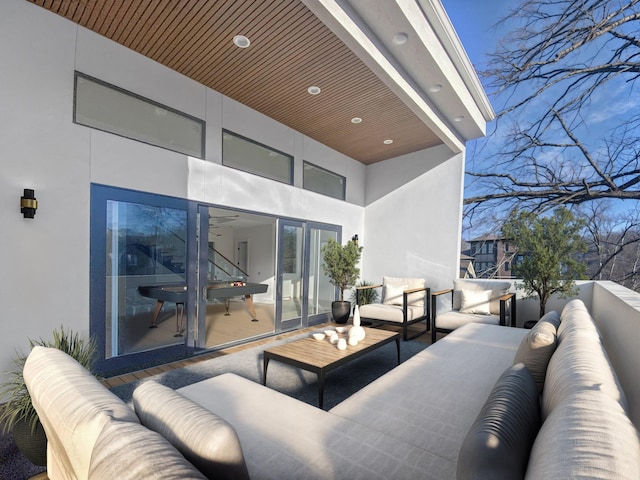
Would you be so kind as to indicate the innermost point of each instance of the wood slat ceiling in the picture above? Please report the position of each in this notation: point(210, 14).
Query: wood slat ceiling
point(290, 51)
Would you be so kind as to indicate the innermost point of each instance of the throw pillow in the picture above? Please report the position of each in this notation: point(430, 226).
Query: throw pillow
point(418, 298)
point(537, 346)
point(498, 288)
point(393, 294)
point(478, 302)
point(205, 439)
point(498, 443)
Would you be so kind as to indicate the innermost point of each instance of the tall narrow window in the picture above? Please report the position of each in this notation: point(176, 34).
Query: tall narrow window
point(323, 181)
point(106, 107)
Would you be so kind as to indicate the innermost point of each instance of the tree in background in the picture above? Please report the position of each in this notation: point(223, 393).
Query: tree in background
point(613, 244)
point(547, 252)
point(564, 83)
point(566, 67)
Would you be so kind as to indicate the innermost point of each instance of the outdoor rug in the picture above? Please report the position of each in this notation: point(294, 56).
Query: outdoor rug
point(14, 465)
point(339, 383)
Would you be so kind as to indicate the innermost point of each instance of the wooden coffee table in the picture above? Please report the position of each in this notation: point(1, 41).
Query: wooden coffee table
point(320, 356)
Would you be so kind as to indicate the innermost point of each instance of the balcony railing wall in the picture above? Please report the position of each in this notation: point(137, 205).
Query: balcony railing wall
point(616, 311)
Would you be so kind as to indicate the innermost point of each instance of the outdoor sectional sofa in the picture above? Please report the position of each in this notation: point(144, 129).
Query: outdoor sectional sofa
point(469, 406)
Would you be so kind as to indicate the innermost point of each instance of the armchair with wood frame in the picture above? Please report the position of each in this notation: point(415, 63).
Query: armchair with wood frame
point(405, 302)
point(472, 301)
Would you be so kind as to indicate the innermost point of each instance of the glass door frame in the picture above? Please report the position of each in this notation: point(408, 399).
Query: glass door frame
point(304, 320)
point(100, 195)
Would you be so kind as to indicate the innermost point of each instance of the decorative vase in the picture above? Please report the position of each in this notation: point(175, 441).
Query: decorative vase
point(356, 316)
point(340, 311)
point(357, 333)
point(33, 445)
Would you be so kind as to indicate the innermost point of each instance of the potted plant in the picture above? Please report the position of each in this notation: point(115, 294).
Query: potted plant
point(340, 265)
point(367, 295)
point(17, 414)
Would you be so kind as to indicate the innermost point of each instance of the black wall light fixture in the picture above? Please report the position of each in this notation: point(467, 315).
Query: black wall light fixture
point(28, 203)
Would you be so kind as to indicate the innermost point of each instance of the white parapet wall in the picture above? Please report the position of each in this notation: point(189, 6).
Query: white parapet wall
point(616, 310)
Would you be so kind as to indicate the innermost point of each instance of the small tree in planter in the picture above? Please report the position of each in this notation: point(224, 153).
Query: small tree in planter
point(340, 265)
point(17, 414)
point(548, 247)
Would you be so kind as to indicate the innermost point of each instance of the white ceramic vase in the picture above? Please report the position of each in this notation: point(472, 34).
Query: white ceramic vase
point(356, 316)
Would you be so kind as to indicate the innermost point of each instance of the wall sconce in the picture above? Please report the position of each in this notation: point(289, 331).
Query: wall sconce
point(28, 204)
point(354, 239)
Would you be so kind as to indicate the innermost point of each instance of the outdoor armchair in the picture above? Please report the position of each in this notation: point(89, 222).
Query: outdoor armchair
point(405, 302)
point(473, 302)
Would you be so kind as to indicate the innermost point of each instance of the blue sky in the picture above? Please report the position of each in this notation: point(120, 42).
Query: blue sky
point(474, 21)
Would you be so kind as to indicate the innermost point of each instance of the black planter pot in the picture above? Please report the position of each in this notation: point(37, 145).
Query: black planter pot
point(340, 311)
point(33, 445)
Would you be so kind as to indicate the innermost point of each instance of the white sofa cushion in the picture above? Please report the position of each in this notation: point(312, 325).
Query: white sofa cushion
point(390, 313)
point(73, 407)
point(396, 283)
point(129, 451)
point(497, 288)
point(580, 363)
point(205, 439)
point(476, 301)
point(432, 399)
point(587, 436)
point(284, 438)
point(536, 348)
point(576, 318)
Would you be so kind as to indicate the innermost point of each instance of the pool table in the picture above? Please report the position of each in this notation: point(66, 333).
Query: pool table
point(177, 293)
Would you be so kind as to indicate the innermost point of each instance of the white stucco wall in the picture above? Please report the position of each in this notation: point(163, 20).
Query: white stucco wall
point(412, 217)
point(45, 262)
point(616, 311)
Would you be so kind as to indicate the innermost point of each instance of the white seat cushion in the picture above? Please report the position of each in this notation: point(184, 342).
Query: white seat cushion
point(455, 319)
point(390, 313)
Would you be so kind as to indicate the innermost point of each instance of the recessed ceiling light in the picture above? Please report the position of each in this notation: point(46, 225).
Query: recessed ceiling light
point(241, 41)
point(400, 38)
point(388, 141)
point(314, 90)
point(356, 120)
point(458, 119)
point(435, 88)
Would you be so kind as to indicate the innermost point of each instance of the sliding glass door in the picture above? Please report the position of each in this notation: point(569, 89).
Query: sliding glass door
point(140, 275)
point(291, 275)
point(170, 277)
point(304, 294)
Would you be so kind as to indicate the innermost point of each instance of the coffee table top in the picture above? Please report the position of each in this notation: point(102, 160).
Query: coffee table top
point(322, 354)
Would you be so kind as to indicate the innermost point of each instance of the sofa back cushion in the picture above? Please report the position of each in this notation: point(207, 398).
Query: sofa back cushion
point(393, 287)
point(498, 289)
point(580, 363)
point(576, 319)
point(205, 439)
point(537, 346)
point(587, 436)
point(129, 451)
point(73, 407)
point(498, 443)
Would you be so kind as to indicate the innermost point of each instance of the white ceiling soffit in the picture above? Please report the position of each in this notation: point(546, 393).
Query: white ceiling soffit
point(430, 56)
